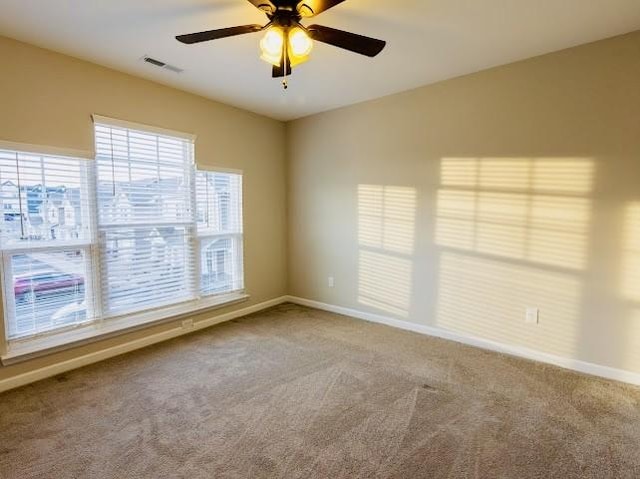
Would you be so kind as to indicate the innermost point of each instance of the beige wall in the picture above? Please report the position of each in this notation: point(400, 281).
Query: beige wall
point(47, 99)
point(456, 205)
point(459, 205)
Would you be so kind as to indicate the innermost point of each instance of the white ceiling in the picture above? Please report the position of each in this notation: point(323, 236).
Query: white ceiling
point(428, 41)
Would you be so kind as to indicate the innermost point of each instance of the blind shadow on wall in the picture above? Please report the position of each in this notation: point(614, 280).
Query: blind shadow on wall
point(512, 234)
point(507, 234)
point(386, 238)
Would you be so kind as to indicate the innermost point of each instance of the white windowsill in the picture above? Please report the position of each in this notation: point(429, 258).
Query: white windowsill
point(22, 350)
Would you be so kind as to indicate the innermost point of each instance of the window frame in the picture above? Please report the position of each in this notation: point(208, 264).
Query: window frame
point(101, 325)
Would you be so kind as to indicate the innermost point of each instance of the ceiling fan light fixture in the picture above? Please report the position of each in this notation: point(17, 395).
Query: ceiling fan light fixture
point(286, 42)
point(299, 46)
point(272, 45)
point(299, 42)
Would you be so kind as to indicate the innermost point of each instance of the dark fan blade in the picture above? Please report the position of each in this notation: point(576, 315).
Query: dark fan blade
point(266, 6)
point(349, 41)
point(311, 8)
point(215, 34)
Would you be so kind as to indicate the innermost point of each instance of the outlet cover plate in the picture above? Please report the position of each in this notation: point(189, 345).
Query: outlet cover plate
point(532, 316)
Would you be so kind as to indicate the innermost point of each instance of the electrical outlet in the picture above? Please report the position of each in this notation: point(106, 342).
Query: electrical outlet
point(187, 324)
point(331, 282)
point(532, 316)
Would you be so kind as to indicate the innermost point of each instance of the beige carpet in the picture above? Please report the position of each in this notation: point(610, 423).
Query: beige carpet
point(298, 393)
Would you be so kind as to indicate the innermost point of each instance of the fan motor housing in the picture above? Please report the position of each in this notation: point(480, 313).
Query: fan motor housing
point(292, 7)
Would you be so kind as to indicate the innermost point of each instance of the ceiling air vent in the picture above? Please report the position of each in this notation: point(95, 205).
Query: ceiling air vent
point(161, 64)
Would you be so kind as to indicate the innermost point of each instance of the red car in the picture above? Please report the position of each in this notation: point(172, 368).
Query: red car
point(26, 287)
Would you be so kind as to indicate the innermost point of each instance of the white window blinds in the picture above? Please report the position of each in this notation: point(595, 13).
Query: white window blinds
point(44, 198)
point(146, 223)
point(83, 241)
point(46, 240)
point(219, 217)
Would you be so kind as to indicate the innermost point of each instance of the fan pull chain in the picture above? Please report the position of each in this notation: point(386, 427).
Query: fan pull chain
point(285, 56)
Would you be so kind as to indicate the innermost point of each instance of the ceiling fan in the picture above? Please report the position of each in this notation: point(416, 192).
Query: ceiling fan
point(287, 43)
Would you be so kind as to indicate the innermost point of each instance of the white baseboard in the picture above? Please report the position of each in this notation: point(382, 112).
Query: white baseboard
point(567, 363)
point(80, 361)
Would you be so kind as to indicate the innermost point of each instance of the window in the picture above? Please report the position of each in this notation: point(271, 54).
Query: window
point(145, 219)
point(219, 214)
point(135, 230)
point(46, 241)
